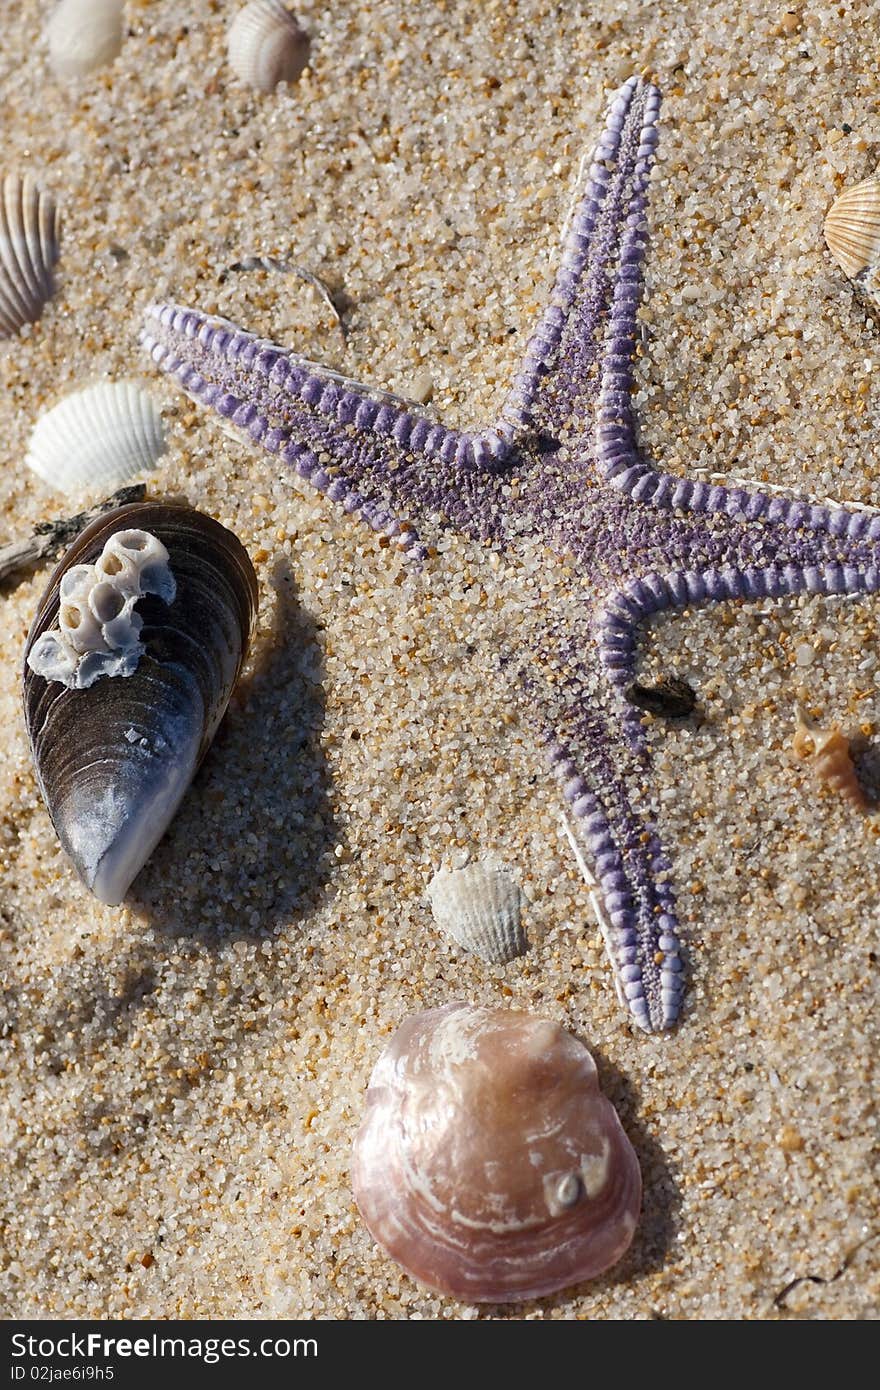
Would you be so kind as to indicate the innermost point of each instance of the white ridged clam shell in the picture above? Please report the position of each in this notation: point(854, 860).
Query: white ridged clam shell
point(29, 235)
point(479, 906)
point(852, 231)
point(97, 438)
point(266, 45)
point(84, 35)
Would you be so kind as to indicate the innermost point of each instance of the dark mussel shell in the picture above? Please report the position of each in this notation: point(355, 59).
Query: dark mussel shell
point(115, 760)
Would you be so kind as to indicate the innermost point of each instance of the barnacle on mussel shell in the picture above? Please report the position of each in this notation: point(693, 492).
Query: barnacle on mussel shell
point(489, 1165)
point(131, 659)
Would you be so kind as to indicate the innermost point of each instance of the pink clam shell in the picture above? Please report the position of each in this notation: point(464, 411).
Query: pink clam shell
point(489, 1165)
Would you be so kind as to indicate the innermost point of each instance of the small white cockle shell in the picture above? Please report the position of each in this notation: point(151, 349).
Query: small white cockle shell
point(489, 1164)
point(479, 906)
point(84, 35)
point(29, 235)
point(96, 439)
point(266, 45)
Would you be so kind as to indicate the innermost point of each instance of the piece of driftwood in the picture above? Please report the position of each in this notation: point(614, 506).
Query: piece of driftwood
point(51, 537)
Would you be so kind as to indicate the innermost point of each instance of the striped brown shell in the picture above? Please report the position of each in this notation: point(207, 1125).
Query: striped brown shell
point(30, 229)
point(852, 231)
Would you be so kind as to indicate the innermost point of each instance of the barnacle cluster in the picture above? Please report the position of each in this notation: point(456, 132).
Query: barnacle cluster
point(98, 630)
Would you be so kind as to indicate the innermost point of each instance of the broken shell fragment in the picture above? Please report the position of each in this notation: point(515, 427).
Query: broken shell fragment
point(852, 232)
point(97, 439)
point(136, 645)
point(84, 35)
point(30, 229)
point(479, 906)
point(488, 1164)
point(266, 45)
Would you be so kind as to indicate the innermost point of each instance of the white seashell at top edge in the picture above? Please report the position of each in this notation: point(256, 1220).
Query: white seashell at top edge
point(479, 906)
point(266, 45)
point(96, 439)
point(29, 236)
point(84, 35)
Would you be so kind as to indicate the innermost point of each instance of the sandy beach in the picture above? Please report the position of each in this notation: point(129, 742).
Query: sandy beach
point(182, 1077)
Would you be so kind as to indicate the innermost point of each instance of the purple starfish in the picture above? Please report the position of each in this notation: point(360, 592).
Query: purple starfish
point(561, 468)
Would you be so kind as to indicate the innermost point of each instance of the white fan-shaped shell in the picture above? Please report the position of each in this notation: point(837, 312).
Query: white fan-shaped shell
point(29, 234)
point(479, 906)
point(266, 45)
point(852, 228)
point(84, 35)
point(97, 439)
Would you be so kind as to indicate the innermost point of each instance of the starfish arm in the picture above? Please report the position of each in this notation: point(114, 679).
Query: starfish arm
point(611, 812)
point(626, 608)
point(589, 323)
point(801, 548)
point(611, 823)
point(743, 546)
point(369, 451)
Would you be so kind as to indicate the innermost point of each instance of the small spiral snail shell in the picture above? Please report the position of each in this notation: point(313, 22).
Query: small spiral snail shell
point(828, 753)
point(131, 659)
point(488, 1164)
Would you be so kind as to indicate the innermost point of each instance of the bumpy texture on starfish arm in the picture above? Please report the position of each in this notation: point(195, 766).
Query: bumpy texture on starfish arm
point(560, 468)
